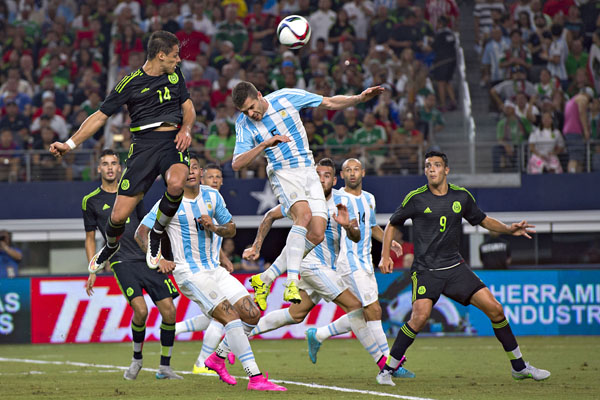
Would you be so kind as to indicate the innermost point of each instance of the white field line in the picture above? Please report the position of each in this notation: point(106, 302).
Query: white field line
point(310, 385)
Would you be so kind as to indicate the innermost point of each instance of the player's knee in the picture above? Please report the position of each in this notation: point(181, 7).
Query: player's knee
point(373, 312)
point(175, 185)
point(418, 320)
point(140, 314)
point(303, 218)
point(496, 312)
point(168, 314)
point(298, 315)
point(315, 237)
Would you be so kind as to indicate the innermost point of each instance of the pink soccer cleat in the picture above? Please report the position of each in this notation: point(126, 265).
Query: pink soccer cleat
point(231, 358)
point(261, 382)
point(217, 364)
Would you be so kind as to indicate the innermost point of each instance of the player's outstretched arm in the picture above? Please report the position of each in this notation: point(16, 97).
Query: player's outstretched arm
point(252, 253)
point(85, 131)
point(226, 230)
point(244, 159)
point(340, 102)
point(386, 265)
point(184, 136)
point(516, 229)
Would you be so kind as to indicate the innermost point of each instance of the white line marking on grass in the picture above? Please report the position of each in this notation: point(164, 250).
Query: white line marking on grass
point(116, 368)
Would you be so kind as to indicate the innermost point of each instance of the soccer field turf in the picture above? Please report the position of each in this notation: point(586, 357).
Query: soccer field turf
point(446, 368)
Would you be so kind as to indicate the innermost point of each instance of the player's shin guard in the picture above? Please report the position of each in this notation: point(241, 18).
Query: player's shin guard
point(211, 340)
point(363, 333)
point(406, 336)
point(195, 324)
point(337, 327)
point(295, 244)
point(272, 321)
point(113, 232)
point(377, 331)
point(509, 343)
point(138, 334)
point(240, 346)
point(167, 338)
point(166, 210)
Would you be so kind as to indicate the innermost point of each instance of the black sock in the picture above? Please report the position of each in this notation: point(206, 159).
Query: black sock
point(113, 232)
point(406, 336)
point(509, 343)
point(166, 210)
point(138, 333)
point(167, 338)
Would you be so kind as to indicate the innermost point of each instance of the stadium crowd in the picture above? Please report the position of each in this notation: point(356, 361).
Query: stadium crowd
point(541, 62)
point(59, 59)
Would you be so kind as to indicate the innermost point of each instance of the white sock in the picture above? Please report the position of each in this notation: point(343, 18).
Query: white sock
point(295, 244)
point(379, 335)
point(238, 341)
point(337, 327)
point(195, 324)
point(272, 321)
point(279, 266)
point(363, 333)
point(248, 328)
point(212, 337)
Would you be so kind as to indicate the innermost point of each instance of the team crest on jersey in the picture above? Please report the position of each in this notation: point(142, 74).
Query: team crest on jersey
point(456, 207)
point(173, 78)
point(209, 206)
point(125, 184)
point(283, 113)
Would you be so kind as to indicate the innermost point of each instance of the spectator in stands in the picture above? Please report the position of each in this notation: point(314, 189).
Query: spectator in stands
point(341, 31)
point(577, 58)
point(382, 26)
point(126, 42)
point(557, 55)
point(9, 159)
point(494, 252)
point(577, 128)
point(524, 25)
point(57, 122)
point(517, 55)
point(202, 23)
point(547, 86)
point(580, 82)
point(508, 89)
point(10, 256)
point(545, 143)
point(27, 70)
point(229, 251)
point(372, 140)
point(405, 34)
point(261, 26)
point(15, 121)
point(511, 132)
point(404, 148)
point(430, 118)
point(383, 118)
point(61, 99)
point(484, 21)
point(23, 85)
point(539, 43)
point(192, 43)
point(233, 31)
point(321, 22)
point(360, 13)
point(405, 260)
point(12, 94)
point(219, 147)
point(340, 145)
point(323, 127)
point(434, 9)
point(349, 117)
point(573, 25)
point(492, 54)
point(45, 166)
point(594, 61)
point(445, 61)
point(526, 109)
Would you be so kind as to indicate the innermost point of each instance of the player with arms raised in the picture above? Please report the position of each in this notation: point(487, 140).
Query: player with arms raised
point(437, 210)
point(272, 124)
point(162, 115)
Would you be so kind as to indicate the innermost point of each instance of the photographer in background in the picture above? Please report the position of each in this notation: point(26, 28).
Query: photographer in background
point(9, 256)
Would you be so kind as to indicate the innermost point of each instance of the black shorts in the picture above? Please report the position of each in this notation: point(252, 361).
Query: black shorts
point(444, 71)
point(133, 276)
point(459, 283)
point(151, 154)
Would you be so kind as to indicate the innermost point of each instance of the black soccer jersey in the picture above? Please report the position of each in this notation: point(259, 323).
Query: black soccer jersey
point(437, 224)
point(97, 207)
point(151, 100)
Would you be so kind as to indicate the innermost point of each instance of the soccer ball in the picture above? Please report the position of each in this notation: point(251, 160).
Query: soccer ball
point(293, 31)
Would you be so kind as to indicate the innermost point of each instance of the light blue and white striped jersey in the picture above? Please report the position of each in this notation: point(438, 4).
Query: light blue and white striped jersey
point(282, 118)
point(358, 255)
point(328, 250)
point(194, 247)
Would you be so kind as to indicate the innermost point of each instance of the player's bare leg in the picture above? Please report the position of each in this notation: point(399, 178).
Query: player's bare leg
point(175, 179)
point(122, 209)
point(486, 302)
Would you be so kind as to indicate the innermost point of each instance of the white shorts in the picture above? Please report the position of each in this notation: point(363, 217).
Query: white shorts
point(210, 288)
point(321, 282)
point(363, 285)
point(299, 184)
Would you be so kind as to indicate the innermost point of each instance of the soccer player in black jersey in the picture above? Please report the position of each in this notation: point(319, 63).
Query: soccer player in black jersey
point(162, 115)
point(130, 270)
point(437, 210)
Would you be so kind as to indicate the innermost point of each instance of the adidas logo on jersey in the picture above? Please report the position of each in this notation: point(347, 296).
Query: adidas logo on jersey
point(105, 207)
point(145, 90)
point(427, 211)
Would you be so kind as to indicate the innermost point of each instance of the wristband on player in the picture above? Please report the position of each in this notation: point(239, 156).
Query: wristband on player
point(71, 144)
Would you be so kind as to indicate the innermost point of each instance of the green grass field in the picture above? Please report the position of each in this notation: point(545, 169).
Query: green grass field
point(446, 368)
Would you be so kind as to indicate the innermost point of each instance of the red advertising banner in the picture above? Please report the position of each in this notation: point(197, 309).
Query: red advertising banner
point(62, 312)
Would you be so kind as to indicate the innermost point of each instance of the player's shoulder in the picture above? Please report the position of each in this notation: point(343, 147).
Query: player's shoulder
point(339, 195)
point(129, 80)
point(208, 193)
point(286, 93)
point(415, 194)
point(461, 191)
point(86, 199)
point(241, 120)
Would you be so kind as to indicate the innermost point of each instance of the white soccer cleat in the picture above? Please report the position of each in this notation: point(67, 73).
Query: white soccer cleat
point(384, 377)
point(153, 257)
point(530, 372)
point(133, 370)
point(101, 258)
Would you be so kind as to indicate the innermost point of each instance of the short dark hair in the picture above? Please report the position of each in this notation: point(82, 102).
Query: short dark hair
point(434, 153)
point(213, 166)
point(161, 41)
point(556, 29)
point(107, 152)
point(241, 92)
point(195, 156)
point(327, 162)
